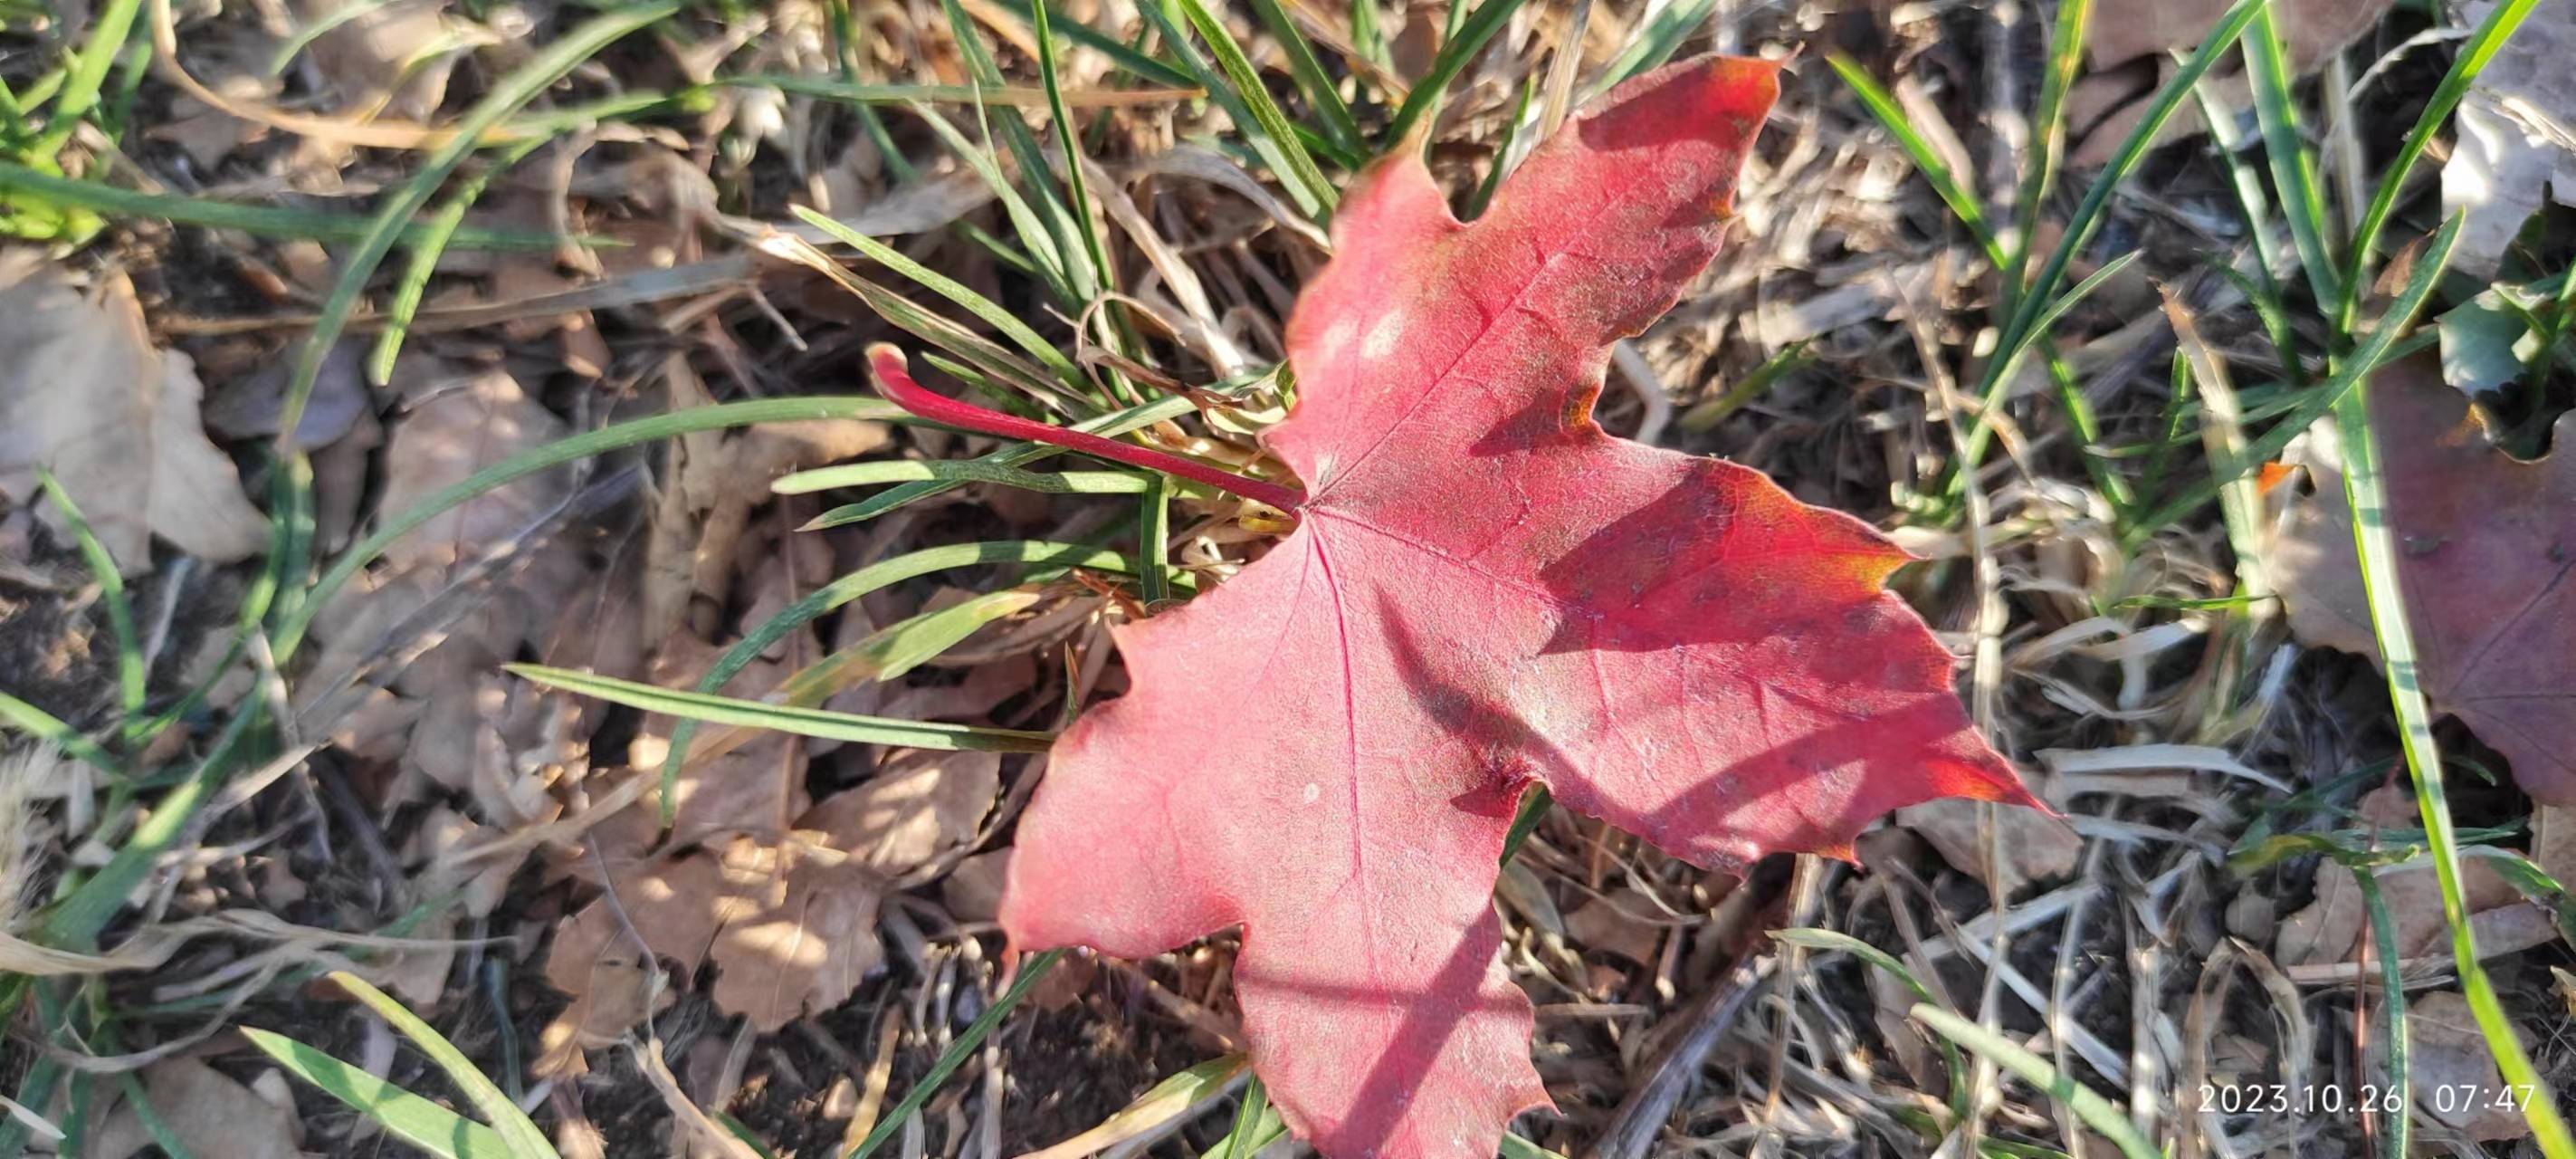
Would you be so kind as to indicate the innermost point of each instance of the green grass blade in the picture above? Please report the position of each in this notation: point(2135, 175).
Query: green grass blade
point(406, 1116)
point(1927, 160)
point(876, 576)
point(1136, 64)
point(1068, 138)
point(2473, 59)
point(1654, 43)
point(130, 676)
point(1512, 125)
point(1267, 119)
point(45, 726)
point(883, 471)
point(2285, 146)
point(2022, 329)
point(1154, 540)
point(518, 1133)
point(989, 311)
point(2096, 1112)
point(781, 718)
point(1836, 942)
point(1255, 1124)
point(1032, 971)
point(1312, 202)
point(2039, 182)
point(436, 233)
point(1081, 279)
point(266, 221)
point(1035, 236)
point(2375, 351)
point(1109, 425)
point(1312, 81)
point(555, 454)
point(513, 92)
point(2376, 541)
point(108, 31)
point(2394, 1028)
point(1460, 48)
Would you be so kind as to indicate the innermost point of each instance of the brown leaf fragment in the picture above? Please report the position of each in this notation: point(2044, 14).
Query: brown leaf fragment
point(85, 393)
point(2336, 926)
point(790, 926)
point(2487, 544)
point(2035, 846)
point(2513, 152)
point(220, 1118)
point(2455, 1078)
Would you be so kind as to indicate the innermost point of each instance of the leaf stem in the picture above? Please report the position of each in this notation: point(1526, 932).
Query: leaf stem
point(894, 380)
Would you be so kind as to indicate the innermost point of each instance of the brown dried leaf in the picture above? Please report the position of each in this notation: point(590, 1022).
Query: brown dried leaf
point(2130, 46)
point(2335, 926)
point(84, 392)
point(220, 1118)
point(2513, 146)
point(790, 927)
point(2488, 542)
point(2036, 847)
point(2456, 1081)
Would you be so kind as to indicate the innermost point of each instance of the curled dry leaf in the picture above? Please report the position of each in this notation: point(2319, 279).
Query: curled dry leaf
point(2487, 541)
point(790, 926)
point(84, 393)
point(1485, 591)
point(2513, 150)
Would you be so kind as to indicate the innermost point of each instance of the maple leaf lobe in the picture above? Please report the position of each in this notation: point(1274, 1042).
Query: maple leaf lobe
point(1484, 590)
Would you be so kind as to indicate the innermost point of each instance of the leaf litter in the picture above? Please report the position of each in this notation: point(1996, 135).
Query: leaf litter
point(1823, 209)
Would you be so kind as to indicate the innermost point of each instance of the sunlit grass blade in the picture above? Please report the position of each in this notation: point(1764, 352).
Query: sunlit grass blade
point(1311, 201)
point(404, 1115)
point(1841, 943)
point(1177, 88)
point(517, 1132)
point(874, 577)
point(1154, 540)
point(1109, 425)
point(2473, 59)
point(1928, 161)
point(2377, 545)
point(1653, 43)
point(1137, 64)
point(2285, 147)
point(1461, 47)
point(582, 446)
point(1312, 81)
point(989, 311)
point(266, 221)
point(1267, 118)
point(2375, 351)
point(437, 232)
point(883, 471)
point(2395, 1032)
point(1068, 136)
point(1786, 361)
point(1256, 1123)
point(109, 27)
point(1512, 129)
point(47, 727)
point(812, 722)
point(1036, 239)
point(1032, 970)
point(2096, 1112)
point(523, 84)
point(1055, 217)
point(2039, 179)
point(2023, 327)
point(991, 365)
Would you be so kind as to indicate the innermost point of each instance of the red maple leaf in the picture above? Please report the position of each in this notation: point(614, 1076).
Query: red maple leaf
point(1485, 591)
